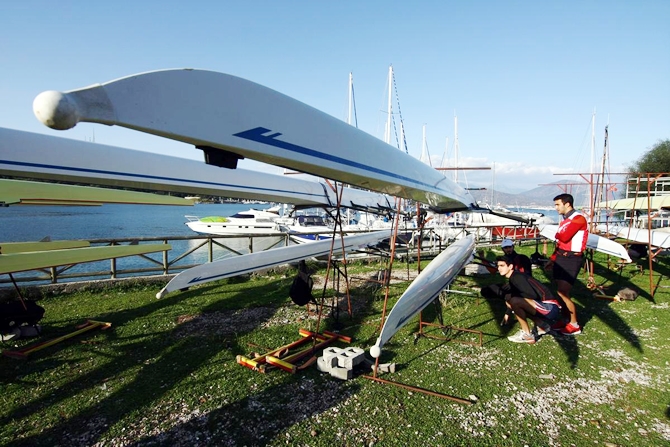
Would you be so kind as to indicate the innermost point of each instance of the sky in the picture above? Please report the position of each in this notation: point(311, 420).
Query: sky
point(525, 79)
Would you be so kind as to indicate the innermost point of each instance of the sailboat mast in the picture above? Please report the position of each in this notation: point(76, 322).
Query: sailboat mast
point(445, 156)
point(389, 108)
point(455, 148)
point(425, 156)
point(423, 140)
point(351, 94)
point(349, 121)
point(493, 186)
point(592, 198)
point(593, 141)
point(600, 183)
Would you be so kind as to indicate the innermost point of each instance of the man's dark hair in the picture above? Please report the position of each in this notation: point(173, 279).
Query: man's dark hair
point(504, 259)
point(565, 198)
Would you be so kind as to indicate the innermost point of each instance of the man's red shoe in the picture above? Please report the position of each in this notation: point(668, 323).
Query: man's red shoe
point(571, 329)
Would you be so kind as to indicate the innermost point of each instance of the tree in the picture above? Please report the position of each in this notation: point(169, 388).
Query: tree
point(656, 160)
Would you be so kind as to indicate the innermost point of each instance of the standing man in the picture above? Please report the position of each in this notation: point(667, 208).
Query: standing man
point(529, 299)
point(567, 259)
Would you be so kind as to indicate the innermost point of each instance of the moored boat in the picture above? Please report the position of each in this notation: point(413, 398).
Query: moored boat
point(515, 232)
point(245, 222)
point(307, 228)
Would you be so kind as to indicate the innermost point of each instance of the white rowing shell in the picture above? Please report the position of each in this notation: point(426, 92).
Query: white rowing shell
point(594, 242)
point(25, 154)
point(426, 288)
point(239, 265)
point(19, 262)
point(658, 238)
point(232, 114)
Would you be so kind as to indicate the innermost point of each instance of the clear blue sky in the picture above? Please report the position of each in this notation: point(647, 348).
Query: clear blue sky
point(523, 77)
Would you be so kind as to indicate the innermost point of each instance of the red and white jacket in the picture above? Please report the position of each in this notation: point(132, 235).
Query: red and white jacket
point(572, 234)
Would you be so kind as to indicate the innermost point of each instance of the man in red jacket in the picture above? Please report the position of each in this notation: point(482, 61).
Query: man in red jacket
point(568, 257)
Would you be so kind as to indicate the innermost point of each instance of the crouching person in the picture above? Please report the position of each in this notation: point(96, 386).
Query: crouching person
point(529, 299)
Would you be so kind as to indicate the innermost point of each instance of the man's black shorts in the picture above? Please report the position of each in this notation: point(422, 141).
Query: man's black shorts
point(566, 268)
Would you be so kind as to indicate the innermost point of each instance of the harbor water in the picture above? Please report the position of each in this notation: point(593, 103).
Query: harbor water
point(117, 221)
point(109, 221)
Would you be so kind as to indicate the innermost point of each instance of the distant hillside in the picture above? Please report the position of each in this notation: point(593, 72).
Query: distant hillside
point(540, 196)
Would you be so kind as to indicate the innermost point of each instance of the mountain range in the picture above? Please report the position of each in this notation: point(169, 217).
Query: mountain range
point(542, 196)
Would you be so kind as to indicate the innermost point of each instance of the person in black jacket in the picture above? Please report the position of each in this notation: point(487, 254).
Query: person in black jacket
point(529, 299)
point(521, 264)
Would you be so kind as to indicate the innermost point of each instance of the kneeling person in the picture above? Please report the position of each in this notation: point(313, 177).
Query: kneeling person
point(529, 299)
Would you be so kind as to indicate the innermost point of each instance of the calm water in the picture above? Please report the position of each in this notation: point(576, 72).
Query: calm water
point(552, 213)
point(34, 223)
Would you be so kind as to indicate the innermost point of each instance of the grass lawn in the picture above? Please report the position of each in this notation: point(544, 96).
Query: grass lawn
point(165, 372)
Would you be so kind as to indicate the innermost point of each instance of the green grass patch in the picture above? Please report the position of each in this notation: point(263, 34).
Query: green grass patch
point(165, 372)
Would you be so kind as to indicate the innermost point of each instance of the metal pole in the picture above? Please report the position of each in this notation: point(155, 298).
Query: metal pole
point(166, 263)
point(421, 390)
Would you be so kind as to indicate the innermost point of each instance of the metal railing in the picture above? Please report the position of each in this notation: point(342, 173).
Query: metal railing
point(179, 258)
point(182, 256)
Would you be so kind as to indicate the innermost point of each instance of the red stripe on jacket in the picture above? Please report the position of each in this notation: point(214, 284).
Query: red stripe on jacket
point(566, 236)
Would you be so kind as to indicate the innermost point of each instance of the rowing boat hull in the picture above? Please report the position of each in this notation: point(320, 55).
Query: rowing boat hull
point(13, 192)
point(19, 262)
point(594, 242)
point(25, 154)
point(240, 265)
point(231, 118)
point(659, 239)
point(426, 288)
point(25, 247)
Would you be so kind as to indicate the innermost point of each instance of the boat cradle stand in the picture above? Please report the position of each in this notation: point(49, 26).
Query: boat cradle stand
point(25, 352)
point(416, 337)
point(450, 332)
point(282, 359)
point(375, 368)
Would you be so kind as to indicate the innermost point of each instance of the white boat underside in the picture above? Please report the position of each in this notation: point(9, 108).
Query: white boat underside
point(229, 117)
point(37, 156)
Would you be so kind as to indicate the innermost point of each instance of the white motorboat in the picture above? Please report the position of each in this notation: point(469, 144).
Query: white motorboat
point(307, 228)
point(245, 222)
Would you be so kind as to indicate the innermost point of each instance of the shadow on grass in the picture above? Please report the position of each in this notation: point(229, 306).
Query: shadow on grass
point(604, 312)
point(661, 271)
point(591, 308)
point(161, 358)
point(588, 307)
point(619, 278)
point(449, 326)
point(258, 419)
